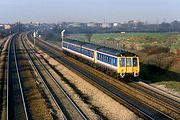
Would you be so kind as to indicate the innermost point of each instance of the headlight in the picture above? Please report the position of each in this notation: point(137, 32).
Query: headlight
point(136, 74)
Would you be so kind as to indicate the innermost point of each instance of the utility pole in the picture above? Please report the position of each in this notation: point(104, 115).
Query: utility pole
point(62, 36)
point(34, 35)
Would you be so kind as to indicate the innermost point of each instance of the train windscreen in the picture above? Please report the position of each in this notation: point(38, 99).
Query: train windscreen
point(128, 62)
point(122, 62)
point(135, 62)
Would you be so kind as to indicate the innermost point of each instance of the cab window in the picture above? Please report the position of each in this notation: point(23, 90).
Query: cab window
point(122, 62)
point(128, 62)
point(135, 62)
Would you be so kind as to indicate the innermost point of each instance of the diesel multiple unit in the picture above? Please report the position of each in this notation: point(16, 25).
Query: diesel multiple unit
point(120, 62)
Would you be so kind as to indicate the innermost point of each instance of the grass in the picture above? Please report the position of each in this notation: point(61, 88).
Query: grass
point(54, 40)
point(160, 76)
point(163, 39)
point(171, 84)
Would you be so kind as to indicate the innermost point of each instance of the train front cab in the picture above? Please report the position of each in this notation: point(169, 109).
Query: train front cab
point(128, 66)
point(136, 68)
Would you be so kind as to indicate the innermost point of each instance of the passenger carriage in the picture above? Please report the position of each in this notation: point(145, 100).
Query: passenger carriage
point(123, 62)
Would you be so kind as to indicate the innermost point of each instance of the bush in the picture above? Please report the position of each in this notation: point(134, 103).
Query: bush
point(155, 50)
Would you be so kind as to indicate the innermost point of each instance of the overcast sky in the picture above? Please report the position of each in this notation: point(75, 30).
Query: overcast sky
point(89, 10)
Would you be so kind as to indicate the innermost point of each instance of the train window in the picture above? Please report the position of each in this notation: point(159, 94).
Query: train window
point(98, 56)
point(122, 62)
point(128, 62)
point(134, 62)
point(108, 60)
point(115, 62)
point(112, 60)
point(91, 54)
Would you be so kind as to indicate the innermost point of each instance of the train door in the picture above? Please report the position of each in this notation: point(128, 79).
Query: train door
point(135, 66)
point(129, 66)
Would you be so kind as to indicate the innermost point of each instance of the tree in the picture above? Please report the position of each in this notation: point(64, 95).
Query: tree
point(1, 35)
point(89, 36)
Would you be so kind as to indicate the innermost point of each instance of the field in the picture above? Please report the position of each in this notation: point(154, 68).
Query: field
point(159, 53)
point(163, 39)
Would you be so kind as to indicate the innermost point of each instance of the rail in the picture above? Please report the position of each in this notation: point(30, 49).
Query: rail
point(12, 58)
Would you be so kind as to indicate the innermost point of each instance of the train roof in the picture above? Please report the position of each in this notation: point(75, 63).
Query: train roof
point(76, 42)
point(83, 44)
point(115, 52)
point(91, 46)
point(111, 51)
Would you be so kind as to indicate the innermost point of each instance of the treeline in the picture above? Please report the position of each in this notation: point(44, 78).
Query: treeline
point(126, 27)
point(138, 27)
point(4, 33)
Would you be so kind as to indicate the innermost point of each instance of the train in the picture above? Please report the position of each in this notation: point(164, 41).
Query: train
point(118, 62)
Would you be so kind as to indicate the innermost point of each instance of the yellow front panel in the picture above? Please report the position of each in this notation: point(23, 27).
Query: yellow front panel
point(95, 56)
point(129, 69)
point(120, 68)
point(137, 68)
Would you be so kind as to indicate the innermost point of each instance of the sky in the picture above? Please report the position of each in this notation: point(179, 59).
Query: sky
point(49, 11)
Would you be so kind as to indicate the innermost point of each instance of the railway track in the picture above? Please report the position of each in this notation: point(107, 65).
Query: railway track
point(148, 110)
point(69, 108)
point(1, 47)
point(3, 92)
point(16, 106)
point(173, 105)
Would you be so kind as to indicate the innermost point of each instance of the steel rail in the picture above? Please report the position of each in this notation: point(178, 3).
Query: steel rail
point(159, 97)
point(12, 42)
point(7, 81)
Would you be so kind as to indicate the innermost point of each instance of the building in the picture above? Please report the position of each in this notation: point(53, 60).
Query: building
point(7, 26)
point(106, 25)
point(1, 27)
point(75, 24)
point(116, 24)
point(92, 24)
